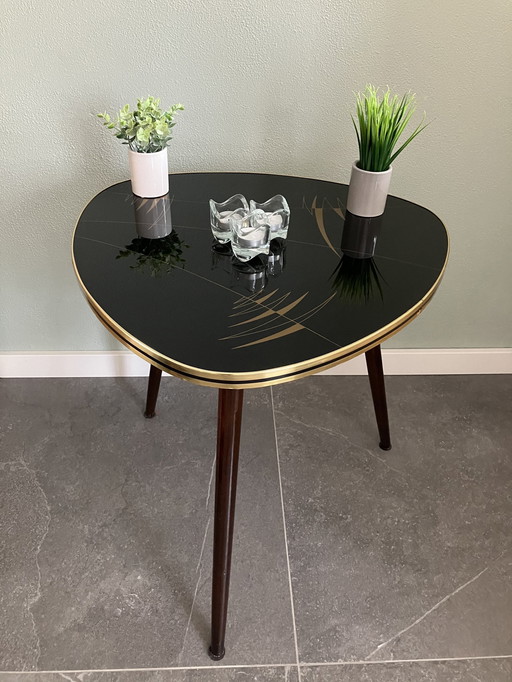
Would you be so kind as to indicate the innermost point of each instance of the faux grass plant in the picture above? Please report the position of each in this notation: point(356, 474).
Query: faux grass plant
point(147, 129)
point(381, 121)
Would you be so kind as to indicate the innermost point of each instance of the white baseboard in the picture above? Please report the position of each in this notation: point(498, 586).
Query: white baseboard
point(417, 361)
point(126, 364)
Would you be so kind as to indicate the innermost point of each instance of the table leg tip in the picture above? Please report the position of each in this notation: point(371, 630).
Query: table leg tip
point(149, 415)
point(216, 657)
point(385, 446)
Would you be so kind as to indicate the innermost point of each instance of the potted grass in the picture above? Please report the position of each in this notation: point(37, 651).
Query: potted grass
point(381, 122)
point(147, 132)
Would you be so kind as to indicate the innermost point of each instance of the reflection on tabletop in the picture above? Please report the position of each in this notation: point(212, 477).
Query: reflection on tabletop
point(155, 256)
point(153, 217)
point(357, 280)
point(254, 274)
point(359, 237)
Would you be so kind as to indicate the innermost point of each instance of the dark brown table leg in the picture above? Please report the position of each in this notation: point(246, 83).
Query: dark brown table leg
point(155, 375)
point(228, 442)
point(376, 376)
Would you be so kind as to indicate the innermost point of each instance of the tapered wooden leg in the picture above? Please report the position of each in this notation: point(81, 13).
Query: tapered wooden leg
point(228, 443)
point(155, 375)
point(376, 376)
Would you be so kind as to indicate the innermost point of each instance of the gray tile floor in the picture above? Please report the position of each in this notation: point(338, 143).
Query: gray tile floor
point(355, 563)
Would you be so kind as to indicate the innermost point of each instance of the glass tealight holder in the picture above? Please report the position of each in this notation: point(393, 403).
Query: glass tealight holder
point(250, 234)
point(220, 214)
point(278, 214)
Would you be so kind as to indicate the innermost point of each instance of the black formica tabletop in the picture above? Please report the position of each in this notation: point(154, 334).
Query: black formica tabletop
point(187, 305)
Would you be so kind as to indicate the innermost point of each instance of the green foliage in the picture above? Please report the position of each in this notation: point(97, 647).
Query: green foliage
point(146, 129)
point(382, 121)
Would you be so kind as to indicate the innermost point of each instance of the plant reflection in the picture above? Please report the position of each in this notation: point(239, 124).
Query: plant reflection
point(156, 256)
point(357, 280)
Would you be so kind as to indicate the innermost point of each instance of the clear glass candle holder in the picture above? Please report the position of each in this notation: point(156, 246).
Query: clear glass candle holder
point(220, 214)
point(250, 234)
point(278, 214)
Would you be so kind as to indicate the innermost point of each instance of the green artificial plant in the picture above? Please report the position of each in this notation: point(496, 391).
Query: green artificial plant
point(381, 121)
point(147, 129)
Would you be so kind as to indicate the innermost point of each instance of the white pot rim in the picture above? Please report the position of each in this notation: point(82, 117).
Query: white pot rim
point(132, 151)
point(361, 170)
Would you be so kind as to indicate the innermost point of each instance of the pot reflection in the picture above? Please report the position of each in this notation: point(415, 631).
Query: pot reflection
point(359, 237)
point(153, 217)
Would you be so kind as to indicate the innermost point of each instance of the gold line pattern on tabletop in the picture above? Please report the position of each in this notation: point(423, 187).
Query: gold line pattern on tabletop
point(265, 377)
point(318, 213)
point(257, 303)
point(259, 328)
point(300, 318)
point(221, 286)
point(313, 311)
point(280, 313)
point(277, 301)
point(295, 324)
point(291, 330)
point(337, 209)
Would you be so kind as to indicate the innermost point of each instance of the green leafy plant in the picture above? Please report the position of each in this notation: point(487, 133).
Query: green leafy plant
point(147, 129)
point(381, 121)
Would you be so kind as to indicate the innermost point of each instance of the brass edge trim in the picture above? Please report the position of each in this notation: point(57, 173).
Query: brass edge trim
point(264, 377)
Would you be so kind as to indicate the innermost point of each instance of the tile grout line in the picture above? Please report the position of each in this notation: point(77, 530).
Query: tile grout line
point(285, 538)
point(259, 665)
point(393, 661)
point(231, 666)
point(199, 568)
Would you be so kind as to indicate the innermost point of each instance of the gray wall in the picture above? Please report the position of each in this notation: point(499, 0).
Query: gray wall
point(268, 86)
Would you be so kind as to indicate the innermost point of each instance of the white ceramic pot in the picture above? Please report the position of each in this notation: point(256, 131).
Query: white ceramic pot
point(149, 173)
point(368, 191)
